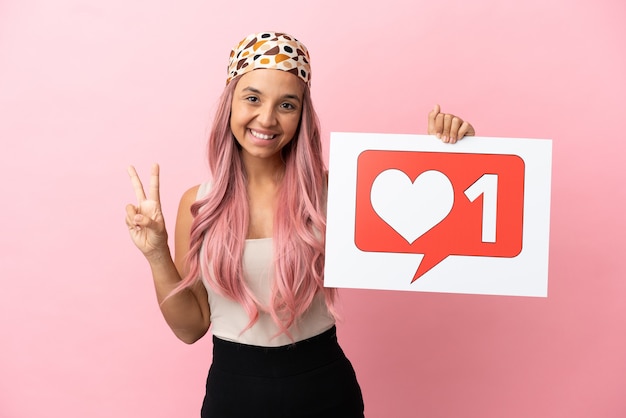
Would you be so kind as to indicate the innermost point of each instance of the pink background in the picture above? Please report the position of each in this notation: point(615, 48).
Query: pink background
point(87, 88)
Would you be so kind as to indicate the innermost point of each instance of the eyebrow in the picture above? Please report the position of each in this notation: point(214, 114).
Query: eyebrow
point(286, 96)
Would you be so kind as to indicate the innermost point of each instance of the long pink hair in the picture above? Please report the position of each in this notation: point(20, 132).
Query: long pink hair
point(221, 220)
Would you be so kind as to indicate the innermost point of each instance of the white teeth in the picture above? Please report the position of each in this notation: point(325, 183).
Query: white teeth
point(260, 135)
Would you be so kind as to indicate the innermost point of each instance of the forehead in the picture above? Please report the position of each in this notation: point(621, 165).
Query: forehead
point(271, 81)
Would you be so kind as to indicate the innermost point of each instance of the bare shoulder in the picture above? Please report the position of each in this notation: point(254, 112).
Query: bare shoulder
point(184, 208)
point(184, 221)
point(190, 196)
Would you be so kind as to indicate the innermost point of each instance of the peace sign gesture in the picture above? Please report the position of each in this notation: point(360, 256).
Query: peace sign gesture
point(145, 220)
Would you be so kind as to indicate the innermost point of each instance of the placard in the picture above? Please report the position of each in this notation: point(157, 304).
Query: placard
point(408, 212)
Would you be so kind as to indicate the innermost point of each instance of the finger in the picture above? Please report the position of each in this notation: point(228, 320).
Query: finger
point(439, 125)
point(131, 213)
point(447, 124)
point(454, 129)
point(432, 115)
point(466, 130)
point(136, 182)
point(153, 190)
point(135, 220)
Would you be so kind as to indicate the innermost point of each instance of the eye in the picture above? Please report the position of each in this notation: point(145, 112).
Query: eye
point(252, 99)
point(287, 106)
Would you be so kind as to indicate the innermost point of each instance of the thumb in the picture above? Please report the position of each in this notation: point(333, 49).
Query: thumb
point(432, 115)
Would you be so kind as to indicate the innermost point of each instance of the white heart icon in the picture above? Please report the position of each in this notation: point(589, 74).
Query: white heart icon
point(412, 208)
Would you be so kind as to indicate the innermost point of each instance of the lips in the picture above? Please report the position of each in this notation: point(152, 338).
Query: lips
point(260, 135)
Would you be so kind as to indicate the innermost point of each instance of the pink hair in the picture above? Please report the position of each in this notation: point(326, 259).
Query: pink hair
point(221, 220)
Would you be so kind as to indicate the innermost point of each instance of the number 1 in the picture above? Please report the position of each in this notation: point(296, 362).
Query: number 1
point(487, 186)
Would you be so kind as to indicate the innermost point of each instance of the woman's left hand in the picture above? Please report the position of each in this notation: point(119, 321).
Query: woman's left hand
point(447, 127)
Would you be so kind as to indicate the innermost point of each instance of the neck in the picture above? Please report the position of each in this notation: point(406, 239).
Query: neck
point(263, 170)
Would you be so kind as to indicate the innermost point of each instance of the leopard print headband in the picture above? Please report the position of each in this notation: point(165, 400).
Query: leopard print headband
point(273, 50)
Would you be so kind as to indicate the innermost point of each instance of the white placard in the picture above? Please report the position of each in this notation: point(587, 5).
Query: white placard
point(408, 212)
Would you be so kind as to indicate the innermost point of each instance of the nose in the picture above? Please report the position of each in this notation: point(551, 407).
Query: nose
point(267, 115)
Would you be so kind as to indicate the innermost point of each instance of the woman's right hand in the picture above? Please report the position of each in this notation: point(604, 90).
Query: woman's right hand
point(145, 220)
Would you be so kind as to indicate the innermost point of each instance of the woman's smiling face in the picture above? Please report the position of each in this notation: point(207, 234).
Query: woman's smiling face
point(265, 112)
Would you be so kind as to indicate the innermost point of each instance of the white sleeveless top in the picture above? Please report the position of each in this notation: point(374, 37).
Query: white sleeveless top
point(229, 318)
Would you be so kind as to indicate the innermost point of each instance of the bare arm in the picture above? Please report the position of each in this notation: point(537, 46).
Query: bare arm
point(187, 313)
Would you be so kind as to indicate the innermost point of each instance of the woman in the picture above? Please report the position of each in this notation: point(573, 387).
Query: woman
point(249, 245)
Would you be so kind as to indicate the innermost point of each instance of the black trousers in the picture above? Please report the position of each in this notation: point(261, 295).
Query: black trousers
point(309, 379)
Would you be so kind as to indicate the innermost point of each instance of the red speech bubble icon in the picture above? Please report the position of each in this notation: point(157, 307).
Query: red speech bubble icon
point(439, 204)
